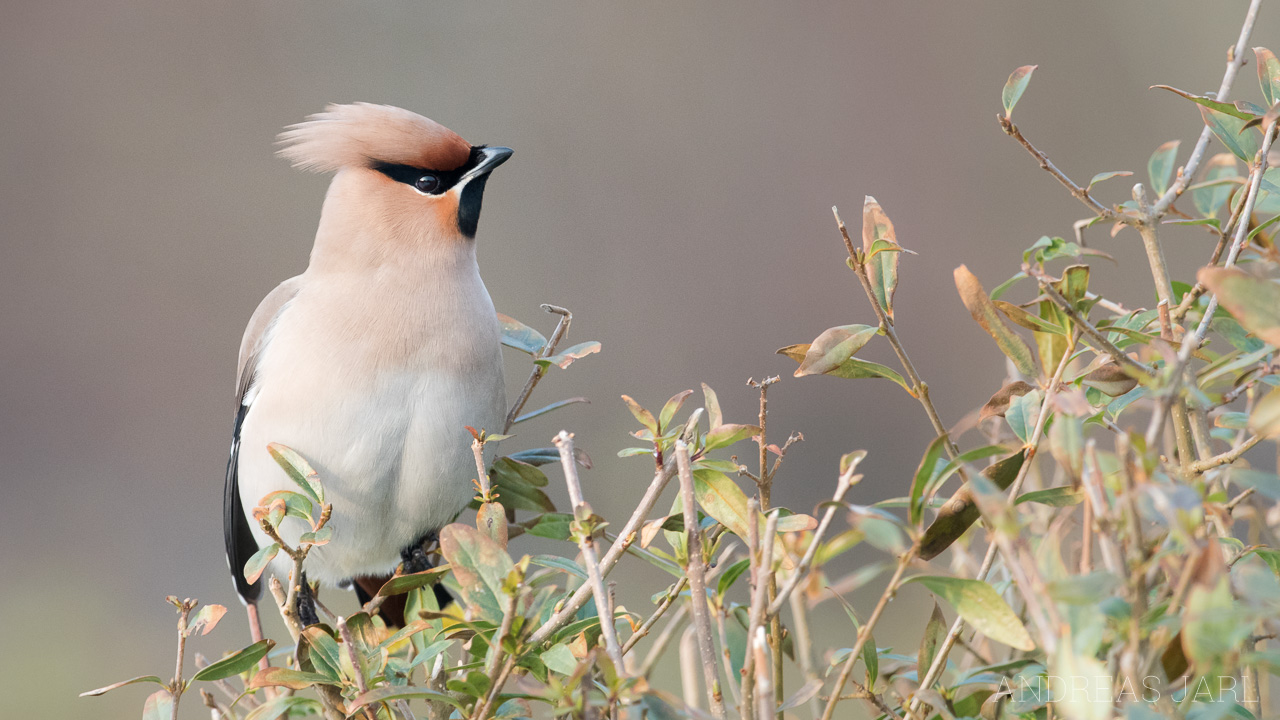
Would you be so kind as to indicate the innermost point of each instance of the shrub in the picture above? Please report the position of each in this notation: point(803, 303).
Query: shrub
point(1122, 572)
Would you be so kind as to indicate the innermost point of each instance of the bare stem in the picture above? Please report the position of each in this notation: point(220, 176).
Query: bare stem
point(697, 583)
point(175, 688)
point(547, 350)
point(1225, 458)
point(587, 544)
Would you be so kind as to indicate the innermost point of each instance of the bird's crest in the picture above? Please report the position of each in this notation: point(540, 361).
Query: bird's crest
point(364, 134)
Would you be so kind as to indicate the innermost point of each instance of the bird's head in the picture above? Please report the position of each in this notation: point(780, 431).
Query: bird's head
point(397, 172)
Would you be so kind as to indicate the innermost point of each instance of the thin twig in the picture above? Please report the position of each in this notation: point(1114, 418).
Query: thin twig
point(760, 555)
point(864, 632)
point(806, 562)
point(1235, 60)
point(697, 582)
point(1081, 194)
point(175, 688)
point(562, 327)
point(652, 620)
point(1081, 322)
point(587, 545)
point(1225, 458)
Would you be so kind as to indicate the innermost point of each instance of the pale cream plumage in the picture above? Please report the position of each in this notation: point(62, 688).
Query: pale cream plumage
point(372, 362)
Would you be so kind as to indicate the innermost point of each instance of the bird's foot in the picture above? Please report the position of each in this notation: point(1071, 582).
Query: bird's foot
point(415, 558)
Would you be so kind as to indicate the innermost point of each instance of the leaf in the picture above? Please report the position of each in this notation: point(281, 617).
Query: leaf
point(560, 659)
point(491, 519)
point(958, 513)
point(1268, 74)
point(1064, 496)
point(480, 566)
point(516, 334)
point(1106, 176)
point(1265, 418)
point(672, 407)
point(295, 504)
point(801, 696)
point(236, 662)
point(401, 584)
point(933, 632)
point(1209, 103)
point(795, 522)
point(159, 706)
point(402, 692)
point(548, 408)
point(924, 473)
point(555, 562)
point(288, 677)
point(1014, 87)
point(281, 705)
point(1209, 198)
point(1088, 701)
point(722, 499)
point(997, 405)
point(1027, 320)
point(882, 268)
point(318, 651)
point(565, 357)
point(551, 525)
point(1254, 302)
point(981, 607)
point(731, 574)
point(1022, 414)
point(298, 470)
point(1228, 130)
point(645, 417)
point(131, 681)
point(712, 404)
point(833, 347)
point(256, 564)
point(985, 313)
point(870, 658)
point(726, 435)
point(1161, 165)
point(1110, 379)
point(206, 619)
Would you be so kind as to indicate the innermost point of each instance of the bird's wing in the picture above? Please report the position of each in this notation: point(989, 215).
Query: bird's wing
point(241, 544)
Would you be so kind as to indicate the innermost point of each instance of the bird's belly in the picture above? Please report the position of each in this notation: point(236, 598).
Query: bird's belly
point(394, 460)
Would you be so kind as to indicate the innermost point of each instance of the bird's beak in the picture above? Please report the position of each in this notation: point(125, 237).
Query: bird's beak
point(491, 157)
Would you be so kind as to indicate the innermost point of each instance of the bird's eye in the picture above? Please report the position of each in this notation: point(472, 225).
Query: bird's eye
point(427, 184)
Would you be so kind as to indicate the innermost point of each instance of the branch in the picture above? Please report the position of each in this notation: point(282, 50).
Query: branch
point(1235, 60)
point(1093, 333)
point(1081, 194)
point(1225, 458)
point(802, 570)
point(587, 544)
point(648, 624)
point(697, 582)
point(562, 327)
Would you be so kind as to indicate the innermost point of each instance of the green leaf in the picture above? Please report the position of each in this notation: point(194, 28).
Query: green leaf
point(1106, 176)
point(924, 473)
point(565, 358)
point(672, 407)
point(235, 663)
point(295, 504)
point(722, 499)
point(981, 607)
point(833, 347)
point(402, 692)
point(290, 678)
point(1064, 496)
point(560, 659)
point(934, 630)
point(986, 315)
point(555, 562)
point(958, 513)
point(1252, 301)
point(1208, 198)
point(1022, 414)
point(401, 584)
point(730, 575)
point(1268, 74)
point(548, 408)
point(645, 417)
point(131, 681)
point(1014, 87)
point(516, 334)
point(870, 658)
point(282, 705)
point(551, 525)
point(953, 467)
point(1209, 103)
point(480, 566)
point(726, 435)
point(318, 651)
point(882, 268)
point(1161, 165)
point(159, 706)
point(298, 469)
point(1031, 322)
point(256, 564)
point(1231, 132)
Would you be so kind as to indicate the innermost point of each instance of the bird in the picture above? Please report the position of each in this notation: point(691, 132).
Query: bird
point(373, 362)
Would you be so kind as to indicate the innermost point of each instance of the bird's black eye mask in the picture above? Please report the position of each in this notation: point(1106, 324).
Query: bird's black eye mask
point(426, 180)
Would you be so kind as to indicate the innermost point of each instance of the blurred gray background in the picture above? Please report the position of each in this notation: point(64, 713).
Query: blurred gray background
point(674, 172)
